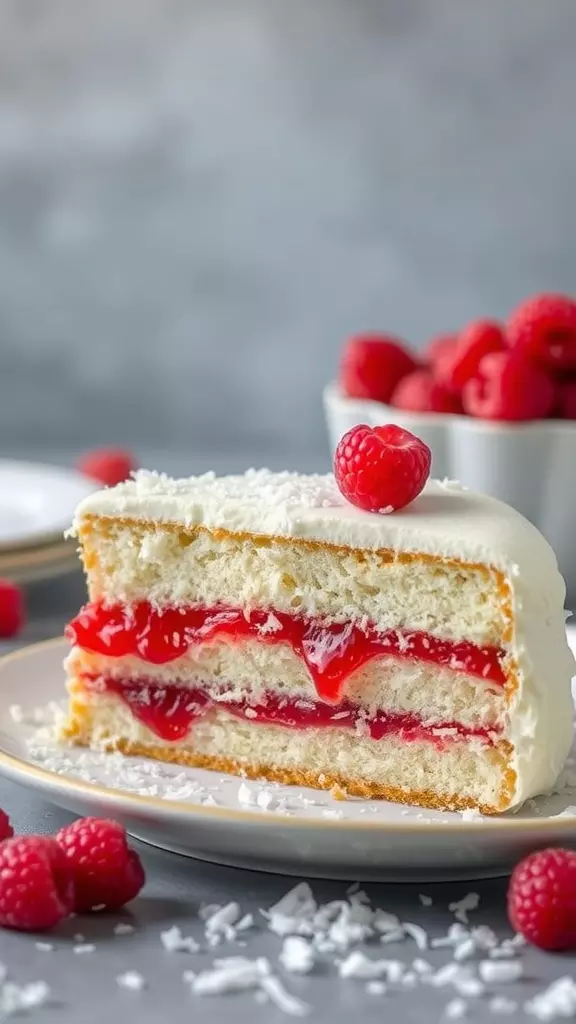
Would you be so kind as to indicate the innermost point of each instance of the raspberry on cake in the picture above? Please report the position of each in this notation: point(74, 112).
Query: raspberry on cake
point(261, 624)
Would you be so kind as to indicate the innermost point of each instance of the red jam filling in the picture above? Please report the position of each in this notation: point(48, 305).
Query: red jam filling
point(170, 711)
point(331, 651)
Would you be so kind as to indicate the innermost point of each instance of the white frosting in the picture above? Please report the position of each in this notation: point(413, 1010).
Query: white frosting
point(445, 520)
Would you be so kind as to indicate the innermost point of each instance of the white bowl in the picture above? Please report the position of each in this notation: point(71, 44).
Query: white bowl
point(531, 466)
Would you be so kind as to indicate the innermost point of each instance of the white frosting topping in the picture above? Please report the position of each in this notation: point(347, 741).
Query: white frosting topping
point(445, 520)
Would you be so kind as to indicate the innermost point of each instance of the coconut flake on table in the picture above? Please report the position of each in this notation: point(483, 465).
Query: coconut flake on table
point(500, 972)
point(297, 955)
point(461, 908)
point(123, 928)
point(221, 924)
point(416, 932)
point(455, 1009)
point(502, 1004)
point(231, 974)
point(16, 999)
point(358, 965)
point(294, 913)
point(174, 942)
point(131, 980)
point(558, 1000)
point(282, 999)
point(425, 900)
point(376, 988)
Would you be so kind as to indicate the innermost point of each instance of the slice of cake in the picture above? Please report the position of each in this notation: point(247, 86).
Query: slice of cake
point(263, 625)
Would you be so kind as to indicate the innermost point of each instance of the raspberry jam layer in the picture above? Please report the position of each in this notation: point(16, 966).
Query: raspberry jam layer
point(331, 651)
point(170, 711)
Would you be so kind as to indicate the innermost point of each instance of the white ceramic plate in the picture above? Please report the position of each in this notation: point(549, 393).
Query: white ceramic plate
point(256, 825)
point(37, 502)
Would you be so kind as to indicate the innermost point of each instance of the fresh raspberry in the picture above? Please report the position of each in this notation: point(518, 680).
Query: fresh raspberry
point(544, 328)
point(106, 872)
point(36, 886)
point(478, 339)
point(12, 611)
point(381, 469)
point(542, 899)
point(421, 392)
point(108, 466)
point(372, 365)
point(509, 387)
point(566, 400)
point(6, 830)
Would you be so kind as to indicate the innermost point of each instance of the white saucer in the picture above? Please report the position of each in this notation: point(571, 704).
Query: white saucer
point(37, 502)
point(256, 825)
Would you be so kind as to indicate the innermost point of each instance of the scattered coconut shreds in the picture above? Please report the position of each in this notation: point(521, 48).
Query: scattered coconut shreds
point(421, 966)
point(416, 932)
point(460, 977)
point(465, 950)
point(16, 999)
point(221, 924)
point(425, 900)
point(131, 980)
point(238, 974)
point(558, 1000)
point(500, 972)
point(232, 974)
point(376, 988)
point(45, 947)
point(461, 908)
point(456, 933)
point(358, 965)
point(278, 995)
point(123, 928)
point(501, 1004)
point(297, 955)
point(174, 942)
point(84, 947)
point(455, 1009)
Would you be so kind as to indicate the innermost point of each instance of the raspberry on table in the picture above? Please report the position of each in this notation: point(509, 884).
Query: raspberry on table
point(381, 469)
point(371, 366)
point(509, 387)
point(566, 400)
point(108, 466)
point(6, 830)
point(36, 886)
point(543, 327)
point(542, 899)
point(478, 339)
point(421, 392)
point(12, 609)
point(106, 872)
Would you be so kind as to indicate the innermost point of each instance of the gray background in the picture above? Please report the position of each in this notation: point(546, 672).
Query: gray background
point(200, 200)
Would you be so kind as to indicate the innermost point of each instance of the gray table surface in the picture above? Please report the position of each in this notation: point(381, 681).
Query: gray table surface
point(84, 987)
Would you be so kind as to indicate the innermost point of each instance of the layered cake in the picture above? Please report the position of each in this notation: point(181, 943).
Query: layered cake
point(263, 625)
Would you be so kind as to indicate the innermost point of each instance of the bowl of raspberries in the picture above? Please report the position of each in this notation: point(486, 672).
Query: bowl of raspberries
point(495, 402)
